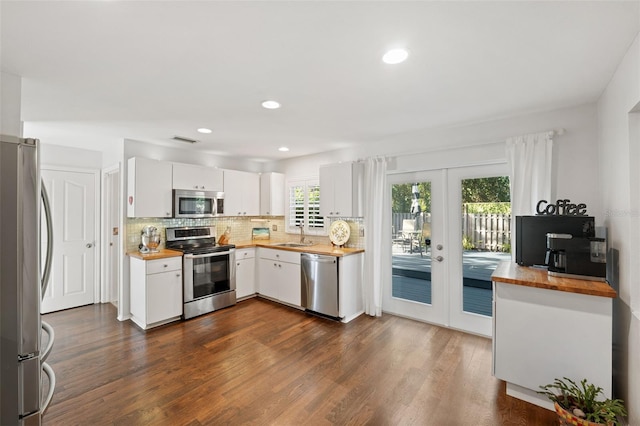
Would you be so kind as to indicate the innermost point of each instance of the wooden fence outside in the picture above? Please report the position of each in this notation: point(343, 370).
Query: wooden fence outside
point(480, 231)
point(484, 231)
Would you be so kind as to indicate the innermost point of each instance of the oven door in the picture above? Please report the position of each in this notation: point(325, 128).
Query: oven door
point(208, 274)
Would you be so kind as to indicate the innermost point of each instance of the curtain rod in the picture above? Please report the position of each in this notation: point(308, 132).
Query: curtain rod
point(553, 132)
point(557, 132)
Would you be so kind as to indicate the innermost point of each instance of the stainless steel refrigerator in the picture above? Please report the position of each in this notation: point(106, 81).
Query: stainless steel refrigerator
point(23, 279)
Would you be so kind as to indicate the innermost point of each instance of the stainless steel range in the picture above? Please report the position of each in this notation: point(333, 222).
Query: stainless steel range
point(209, 269)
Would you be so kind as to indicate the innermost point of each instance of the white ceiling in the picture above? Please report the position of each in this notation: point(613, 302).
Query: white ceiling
point(146, 70)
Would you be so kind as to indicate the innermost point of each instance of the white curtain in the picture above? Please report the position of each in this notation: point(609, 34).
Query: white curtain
point(377, 267)
point(530, 158)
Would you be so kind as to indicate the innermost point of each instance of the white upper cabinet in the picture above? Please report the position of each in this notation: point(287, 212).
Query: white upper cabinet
point(340, 190)
point(241, 193)
point(190, 176)
point(272, 194)
point(148, 188)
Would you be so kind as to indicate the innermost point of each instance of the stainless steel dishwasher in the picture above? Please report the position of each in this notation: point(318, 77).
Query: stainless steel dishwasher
point(319, 280)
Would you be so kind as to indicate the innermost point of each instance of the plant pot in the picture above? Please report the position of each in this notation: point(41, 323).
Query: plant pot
point(567, 418)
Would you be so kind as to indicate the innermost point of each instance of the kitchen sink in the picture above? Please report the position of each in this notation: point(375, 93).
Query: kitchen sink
point(293, 244)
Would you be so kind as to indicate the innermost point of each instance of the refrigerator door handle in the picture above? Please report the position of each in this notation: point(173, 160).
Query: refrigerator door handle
point(48, 218)
point(52, 385)
point(49, 330)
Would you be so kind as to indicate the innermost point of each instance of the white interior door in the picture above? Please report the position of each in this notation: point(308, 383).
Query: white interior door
point(419, 273)
point(73, 208)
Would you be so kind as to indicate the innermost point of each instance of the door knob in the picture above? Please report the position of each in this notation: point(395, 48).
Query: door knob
point(89, 245)
point(439, 246)
point(439, 258)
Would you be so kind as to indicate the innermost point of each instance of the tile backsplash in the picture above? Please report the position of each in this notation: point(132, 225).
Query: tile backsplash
point(241, 229)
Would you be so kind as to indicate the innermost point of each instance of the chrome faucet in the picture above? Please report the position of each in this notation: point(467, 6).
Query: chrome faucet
point(301, 225)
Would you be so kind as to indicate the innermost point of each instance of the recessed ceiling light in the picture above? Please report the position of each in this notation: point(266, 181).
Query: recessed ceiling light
point(204, 130)
point(283, 149)
point(271, 104)
point(395, 56)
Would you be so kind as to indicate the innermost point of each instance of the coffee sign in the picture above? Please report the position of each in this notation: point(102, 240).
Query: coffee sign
point(561, 208)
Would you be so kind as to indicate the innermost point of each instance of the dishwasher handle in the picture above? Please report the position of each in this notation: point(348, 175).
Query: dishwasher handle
point(318, 258)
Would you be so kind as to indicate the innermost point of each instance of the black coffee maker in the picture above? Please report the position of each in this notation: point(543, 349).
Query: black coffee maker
point(576, 257)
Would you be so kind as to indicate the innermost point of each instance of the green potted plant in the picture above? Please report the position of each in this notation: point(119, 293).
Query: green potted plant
point(579, 405)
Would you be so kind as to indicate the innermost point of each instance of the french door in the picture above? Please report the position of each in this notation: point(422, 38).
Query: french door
point(418, 229)
point(478, 199)
point(450, 228)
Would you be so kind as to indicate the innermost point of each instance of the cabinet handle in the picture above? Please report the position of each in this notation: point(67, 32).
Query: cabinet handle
point(177, 275)
point(237, 263)
point(275, 264)
point(280, 265)
point(165, 265)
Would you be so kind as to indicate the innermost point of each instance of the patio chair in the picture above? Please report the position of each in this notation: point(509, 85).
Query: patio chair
point(410, 235)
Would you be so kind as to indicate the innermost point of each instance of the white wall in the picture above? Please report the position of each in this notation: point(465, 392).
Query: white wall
point(72, 135)
point(619, 157)
point(133, 148)
point(576, 165)
point(56, 155)
point(11, 100)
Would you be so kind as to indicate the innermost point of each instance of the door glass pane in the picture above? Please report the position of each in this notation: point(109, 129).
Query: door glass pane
point(486, 238)
point(411, 239)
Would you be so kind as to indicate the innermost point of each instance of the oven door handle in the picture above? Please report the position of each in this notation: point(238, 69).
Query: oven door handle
point(200, 256)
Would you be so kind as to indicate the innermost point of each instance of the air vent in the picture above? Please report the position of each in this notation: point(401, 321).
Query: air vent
point(183, 139)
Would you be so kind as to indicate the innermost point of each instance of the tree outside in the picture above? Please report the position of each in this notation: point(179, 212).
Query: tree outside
point(480, 197)
point(483, 195)
point(401, 197)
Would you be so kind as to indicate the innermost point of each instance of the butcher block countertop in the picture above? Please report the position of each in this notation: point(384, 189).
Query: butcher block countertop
point(323, 249)
point(512, 273)
point(161, 254)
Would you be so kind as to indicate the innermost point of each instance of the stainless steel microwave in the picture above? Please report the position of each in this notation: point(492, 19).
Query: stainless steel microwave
point(197, 204)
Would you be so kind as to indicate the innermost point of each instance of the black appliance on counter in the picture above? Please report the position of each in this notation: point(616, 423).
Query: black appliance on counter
point(576, 257)
point(531, 234)
point(208, 269)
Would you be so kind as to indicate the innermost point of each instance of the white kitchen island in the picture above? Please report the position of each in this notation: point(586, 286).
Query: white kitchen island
point(549, 327)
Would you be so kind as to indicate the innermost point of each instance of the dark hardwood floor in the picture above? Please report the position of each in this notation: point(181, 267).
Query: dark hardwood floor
point(262, 363)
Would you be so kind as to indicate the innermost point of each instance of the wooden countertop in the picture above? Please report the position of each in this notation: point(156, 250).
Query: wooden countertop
point(512, 273)
point(161, 254)
point(322, 249)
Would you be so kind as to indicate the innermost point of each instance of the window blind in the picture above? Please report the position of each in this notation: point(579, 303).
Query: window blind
point(304, 206)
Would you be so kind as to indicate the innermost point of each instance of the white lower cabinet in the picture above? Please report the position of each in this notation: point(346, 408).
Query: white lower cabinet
point(245, 273)
point(156, 291)
point(350, 293)
point(541, 334)
point(279, 272)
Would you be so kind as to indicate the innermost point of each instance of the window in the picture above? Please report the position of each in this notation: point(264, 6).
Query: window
point(304, 207)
